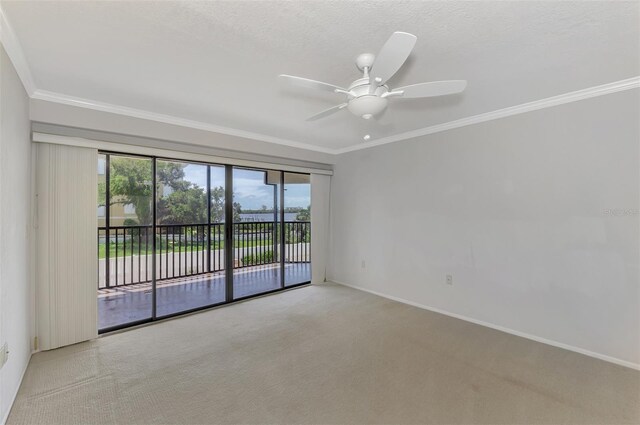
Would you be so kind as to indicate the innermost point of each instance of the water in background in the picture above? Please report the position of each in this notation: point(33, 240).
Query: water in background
point(267, 217)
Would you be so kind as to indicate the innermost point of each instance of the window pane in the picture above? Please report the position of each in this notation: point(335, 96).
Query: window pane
point(131, 185)
point(255, 232)
point(102, 190)
point(125, 246)
point(189, 252)
point(297, 248)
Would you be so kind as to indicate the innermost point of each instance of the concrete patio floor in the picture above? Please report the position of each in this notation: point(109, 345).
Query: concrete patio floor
point(132, 303)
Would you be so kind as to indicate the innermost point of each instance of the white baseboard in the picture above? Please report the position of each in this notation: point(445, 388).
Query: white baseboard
point(599, 356)
point(15, 393)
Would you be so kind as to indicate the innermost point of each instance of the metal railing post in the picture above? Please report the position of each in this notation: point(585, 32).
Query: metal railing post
point(282, 236)
point(228, 232)
point(153, 241)
point(107, 217)
point(209, 253)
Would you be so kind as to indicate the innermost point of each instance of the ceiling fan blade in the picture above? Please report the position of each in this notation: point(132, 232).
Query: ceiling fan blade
point(310, 84)
point(327, 112)
point(392, 55)
point(435, 88)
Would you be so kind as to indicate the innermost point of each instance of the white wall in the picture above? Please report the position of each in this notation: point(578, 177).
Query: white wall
point(15, 195)
point(516, 210)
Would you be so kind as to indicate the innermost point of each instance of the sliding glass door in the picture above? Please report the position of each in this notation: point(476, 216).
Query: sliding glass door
point(125, 239)
point(297, 228)
point(178, 236)
point(189, 272)
point(256, 229)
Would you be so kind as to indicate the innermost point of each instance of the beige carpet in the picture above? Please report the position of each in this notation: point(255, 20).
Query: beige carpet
point(323, 354)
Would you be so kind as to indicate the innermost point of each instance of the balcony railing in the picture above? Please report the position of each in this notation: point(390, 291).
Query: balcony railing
point(126, 252)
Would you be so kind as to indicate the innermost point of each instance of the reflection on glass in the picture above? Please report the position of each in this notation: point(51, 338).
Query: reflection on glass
point(186, 277)
point(255, 232)
point(297, 225)
point(124, 239)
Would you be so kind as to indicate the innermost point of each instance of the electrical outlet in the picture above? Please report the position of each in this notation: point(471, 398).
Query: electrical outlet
point(4, 354)
point(449, 279)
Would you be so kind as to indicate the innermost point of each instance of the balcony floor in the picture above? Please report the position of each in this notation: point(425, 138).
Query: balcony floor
point(132, 303)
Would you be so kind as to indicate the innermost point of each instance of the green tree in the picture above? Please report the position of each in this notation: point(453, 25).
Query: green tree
point(217, 204)
point(184, 206)
point(237, 210)
point(131, 183)
point(179, 201)
point(304, 214)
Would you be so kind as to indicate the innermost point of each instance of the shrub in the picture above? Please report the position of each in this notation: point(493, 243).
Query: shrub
point(261, 258)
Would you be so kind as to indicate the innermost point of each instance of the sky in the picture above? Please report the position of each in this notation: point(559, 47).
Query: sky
point(249, 188)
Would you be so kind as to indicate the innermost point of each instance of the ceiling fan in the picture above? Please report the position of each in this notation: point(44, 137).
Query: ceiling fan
point(368, 96)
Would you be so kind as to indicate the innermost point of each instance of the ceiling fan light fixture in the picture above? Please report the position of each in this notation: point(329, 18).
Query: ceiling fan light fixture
point(367, 106)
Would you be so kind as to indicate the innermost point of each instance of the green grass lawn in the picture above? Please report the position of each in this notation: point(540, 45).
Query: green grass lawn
point(129, 249)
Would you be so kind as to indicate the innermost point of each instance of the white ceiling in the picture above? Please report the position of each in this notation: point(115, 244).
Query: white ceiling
point(217, 62)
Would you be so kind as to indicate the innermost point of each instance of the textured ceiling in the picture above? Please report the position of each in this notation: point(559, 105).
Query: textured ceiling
point(217, 62)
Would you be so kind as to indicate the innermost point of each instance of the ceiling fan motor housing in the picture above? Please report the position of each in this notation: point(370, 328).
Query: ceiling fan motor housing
point(363, 102)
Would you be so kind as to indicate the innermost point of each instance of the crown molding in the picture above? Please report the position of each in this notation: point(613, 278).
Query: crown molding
point(574, 96)
point(15, 53)
point(170, 119)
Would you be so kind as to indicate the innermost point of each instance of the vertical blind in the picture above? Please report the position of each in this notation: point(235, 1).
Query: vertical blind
point(66, 249)
point(320, 195)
